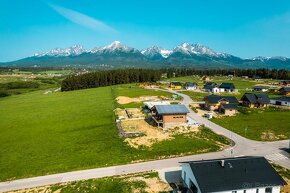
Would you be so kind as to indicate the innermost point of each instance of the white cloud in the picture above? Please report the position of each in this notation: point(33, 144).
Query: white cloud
point(82, 19)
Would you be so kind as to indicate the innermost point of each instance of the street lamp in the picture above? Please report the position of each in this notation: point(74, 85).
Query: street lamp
point(246, 129)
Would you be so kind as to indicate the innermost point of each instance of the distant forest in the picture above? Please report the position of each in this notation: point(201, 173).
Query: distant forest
point(125, 76)
point(263, 73)
point(108, 78)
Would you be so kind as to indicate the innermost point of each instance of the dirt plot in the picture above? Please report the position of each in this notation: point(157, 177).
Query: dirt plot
point(151, 134)
point(125, 100)
point(153, 184)
point(270, 136)
point(129, 113)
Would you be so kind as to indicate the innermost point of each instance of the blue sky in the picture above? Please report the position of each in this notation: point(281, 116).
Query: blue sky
point(245, 28)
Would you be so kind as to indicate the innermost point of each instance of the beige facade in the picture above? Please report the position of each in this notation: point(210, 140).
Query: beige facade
point(174, 118)
point(229, 112)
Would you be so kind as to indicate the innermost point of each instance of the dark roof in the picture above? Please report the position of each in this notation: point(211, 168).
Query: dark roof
point(256, 77)
point(171, 109)
point(256, 98)
point(236, 173)
point(260, 87)
point(215, 99)
point(227, 86)
point(287, 89)
point(210, 85)
point(176, 83)
point(282, 98)
point(286, 81)
point(189, 84)
point(230, 106)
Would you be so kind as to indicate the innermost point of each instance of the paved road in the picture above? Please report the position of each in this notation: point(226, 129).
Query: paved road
point(271, 150)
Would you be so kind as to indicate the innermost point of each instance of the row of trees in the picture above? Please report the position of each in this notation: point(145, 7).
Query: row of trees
point(263, 72)
point(108, 78)
point(125, 76)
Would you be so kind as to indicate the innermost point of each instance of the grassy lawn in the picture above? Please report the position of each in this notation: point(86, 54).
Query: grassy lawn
point(262, 124)
point(134, 90)
point(64, 131)
point(132, 183)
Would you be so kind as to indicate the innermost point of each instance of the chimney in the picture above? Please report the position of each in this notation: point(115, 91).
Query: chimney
point(222, 162)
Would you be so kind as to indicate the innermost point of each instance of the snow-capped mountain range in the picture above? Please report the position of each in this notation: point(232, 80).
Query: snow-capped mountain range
point(117, 54)
point(185, 48)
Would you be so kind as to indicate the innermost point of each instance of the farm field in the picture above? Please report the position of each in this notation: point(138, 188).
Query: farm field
point(262, 124)
point(64, 131)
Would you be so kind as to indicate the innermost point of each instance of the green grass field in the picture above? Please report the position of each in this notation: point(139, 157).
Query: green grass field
point(64, 131)
point(257, 122)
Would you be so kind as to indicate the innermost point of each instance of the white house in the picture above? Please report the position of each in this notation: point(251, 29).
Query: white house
point(190, 86)
point(231, 175)
point(282, 101)
point(228, 87)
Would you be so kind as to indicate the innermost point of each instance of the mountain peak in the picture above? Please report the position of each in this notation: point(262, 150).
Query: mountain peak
point(73, 50)
point(154, 51)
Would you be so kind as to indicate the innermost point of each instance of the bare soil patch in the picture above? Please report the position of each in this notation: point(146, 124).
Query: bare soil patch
point(270, 136)
point(125, 100)
point(152, 134)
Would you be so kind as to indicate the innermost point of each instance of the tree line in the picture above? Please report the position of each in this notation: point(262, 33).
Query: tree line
point(125, 76)
point(263, 72)
point(108, 78)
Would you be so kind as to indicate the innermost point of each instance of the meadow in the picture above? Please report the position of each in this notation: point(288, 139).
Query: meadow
point(261, 124)
point(49, 133)
point(243, 85)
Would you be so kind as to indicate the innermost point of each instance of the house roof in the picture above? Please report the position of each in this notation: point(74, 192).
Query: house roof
point(190, 84)
point(149, 105)
point(256, 98)
point(210, 85)
point(171, 109)
point(176, 83)
point(283, 98)
point(287, 89)
point(252, 172)
point(215, 99)
point(260, 87)
point(256, 77)
point(230, 106)
point(227, 85)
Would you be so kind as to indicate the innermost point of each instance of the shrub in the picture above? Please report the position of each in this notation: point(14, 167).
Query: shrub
point(20, 84)
point(4, 93)
point(244, 110)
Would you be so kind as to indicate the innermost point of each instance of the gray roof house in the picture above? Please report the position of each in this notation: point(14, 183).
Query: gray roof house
point(255, 100)
point(228, 87)
point(190, 85)
point(260, 89)
point(231, 175)
point(169, 115)
point(281, 101)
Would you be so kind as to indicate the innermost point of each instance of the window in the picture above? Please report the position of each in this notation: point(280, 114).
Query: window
point(257, 190)
point(268, 190)
point(245, 191)
point(234, 191)
point(177, 117)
